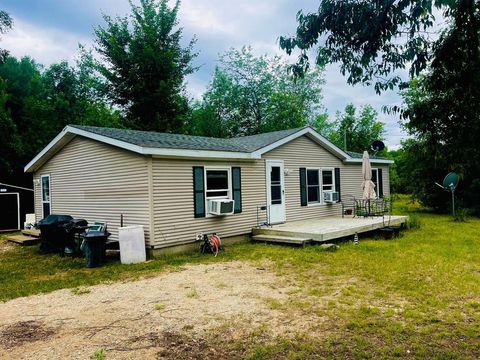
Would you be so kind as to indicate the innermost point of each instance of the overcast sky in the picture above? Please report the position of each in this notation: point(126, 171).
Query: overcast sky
point(50, 31)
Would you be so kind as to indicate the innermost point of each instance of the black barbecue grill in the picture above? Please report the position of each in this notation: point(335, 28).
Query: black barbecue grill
point(60, 233)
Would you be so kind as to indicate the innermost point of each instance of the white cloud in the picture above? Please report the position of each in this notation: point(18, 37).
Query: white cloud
point(45, 45)
point(199, 18)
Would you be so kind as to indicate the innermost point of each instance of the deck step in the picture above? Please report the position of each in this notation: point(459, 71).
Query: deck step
point(281, 239)
point(23, 240)
point(31, 232)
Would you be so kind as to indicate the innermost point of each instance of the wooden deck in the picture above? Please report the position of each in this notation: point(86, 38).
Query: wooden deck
point(323, 230)
point(23, 240)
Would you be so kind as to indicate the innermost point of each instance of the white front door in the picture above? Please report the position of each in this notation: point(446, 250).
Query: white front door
point(275, 191)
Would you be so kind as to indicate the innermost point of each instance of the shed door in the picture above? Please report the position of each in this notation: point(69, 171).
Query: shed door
point(10, 217)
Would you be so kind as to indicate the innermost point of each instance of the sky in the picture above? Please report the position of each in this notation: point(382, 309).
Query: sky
point(50, 31)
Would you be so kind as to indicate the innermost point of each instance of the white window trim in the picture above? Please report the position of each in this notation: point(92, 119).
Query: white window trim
point(229, 190)
point(333, 180)
point(320, 184)
point(49, 192)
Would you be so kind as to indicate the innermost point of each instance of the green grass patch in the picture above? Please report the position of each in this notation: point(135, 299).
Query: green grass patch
point(99, 355)
point(192, 294)
point(81, 291)
point(160, 307)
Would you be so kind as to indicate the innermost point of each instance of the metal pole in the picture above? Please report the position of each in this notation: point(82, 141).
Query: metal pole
point(453, 201)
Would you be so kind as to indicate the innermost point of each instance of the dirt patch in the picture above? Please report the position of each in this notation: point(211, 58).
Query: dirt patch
point(176, 313)
point(175, 346)
point(5, 245)
point(23, 332)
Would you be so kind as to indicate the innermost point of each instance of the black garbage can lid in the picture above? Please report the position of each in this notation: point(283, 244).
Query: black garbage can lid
point(94, 234)
point(79, 222)
point(55, 220)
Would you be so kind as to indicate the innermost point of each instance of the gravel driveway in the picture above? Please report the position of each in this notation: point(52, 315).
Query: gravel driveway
point(148, 318)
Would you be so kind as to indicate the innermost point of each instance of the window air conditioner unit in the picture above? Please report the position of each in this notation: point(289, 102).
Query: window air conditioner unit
point(221, 207)
point(330, 197)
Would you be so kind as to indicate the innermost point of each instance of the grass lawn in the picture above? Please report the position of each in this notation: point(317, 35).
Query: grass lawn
point(414, 296)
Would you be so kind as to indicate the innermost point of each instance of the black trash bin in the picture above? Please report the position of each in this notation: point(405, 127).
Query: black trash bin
point(52, 233)
point(74, 230)
point(94, 245)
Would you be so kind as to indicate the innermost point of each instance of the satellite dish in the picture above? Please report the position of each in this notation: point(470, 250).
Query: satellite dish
point(378, 145)
point(451, 180)
point(449, 184)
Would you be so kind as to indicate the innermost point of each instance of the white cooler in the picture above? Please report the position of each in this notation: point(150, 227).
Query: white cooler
point(132, 244)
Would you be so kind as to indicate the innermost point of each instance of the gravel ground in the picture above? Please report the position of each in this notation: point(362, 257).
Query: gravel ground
point(141, 319)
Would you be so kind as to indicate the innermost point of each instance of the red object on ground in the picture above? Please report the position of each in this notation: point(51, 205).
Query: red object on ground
point(215, 240)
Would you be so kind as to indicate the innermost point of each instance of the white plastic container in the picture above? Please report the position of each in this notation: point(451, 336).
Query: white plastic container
point(132, 244)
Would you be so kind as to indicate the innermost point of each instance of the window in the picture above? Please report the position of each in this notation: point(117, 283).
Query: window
point(328, 183)
point(217, 184)
point(375, 180)
point(318, 182)
point(314, 183)
point(45, 190)
point(313, 186)
point(275, 186)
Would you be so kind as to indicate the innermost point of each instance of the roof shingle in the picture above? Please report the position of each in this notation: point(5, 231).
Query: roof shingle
point(188, 142)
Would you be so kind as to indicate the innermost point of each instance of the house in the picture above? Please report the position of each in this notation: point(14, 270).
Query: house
point(16, 202)
point(168, 183)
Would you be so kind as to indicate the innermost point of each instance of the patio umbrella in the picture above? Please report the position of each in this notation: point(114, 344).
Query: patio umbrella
point(367, 184)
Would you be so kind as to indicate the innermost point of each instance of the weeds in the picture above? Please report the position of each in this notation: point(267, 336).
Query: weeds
point(192, 294)
point(414, 222)
point(80, 291)
point(461, 215)
point(159, 307)
point(99, 355)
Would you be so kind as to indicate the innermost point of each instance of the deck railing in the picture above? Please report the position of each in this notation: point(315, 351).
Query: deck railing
point(366, 208)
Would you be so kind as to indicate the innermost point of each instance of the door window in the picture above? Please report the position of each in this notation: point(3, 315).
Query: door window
point(275, 186)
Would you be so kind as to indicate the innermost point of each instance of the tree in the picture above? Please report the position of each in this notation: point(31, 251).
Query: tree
point(442, 113)
point(372, 40)
point(354, 132)
point(6, 24)
point(36, 103)
point(145, 66)
point(9, 140)
point(250, 95)
point(73, 100)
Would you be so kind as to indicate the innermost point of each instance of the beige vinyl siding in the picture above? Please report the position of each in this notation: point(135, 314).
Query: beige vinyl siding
point(298, 153)
point(173, 192)
point(386, 179)
point(95, 181)
point(173, 201)
point(352, 180)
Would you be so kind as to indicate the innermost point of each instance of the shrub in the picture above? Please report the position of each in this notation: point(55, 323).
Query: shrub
point(414, 222)
point(461, 215)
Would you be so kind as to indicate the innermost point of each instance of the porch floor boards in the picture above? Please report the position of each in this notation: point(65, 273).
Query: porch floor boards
point(23, 240)
point(327, 228)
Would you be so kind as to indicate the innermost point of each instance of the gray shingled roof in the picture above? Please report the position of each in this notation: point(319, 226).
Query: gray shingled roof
point(187, 142)
point(356, 155)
